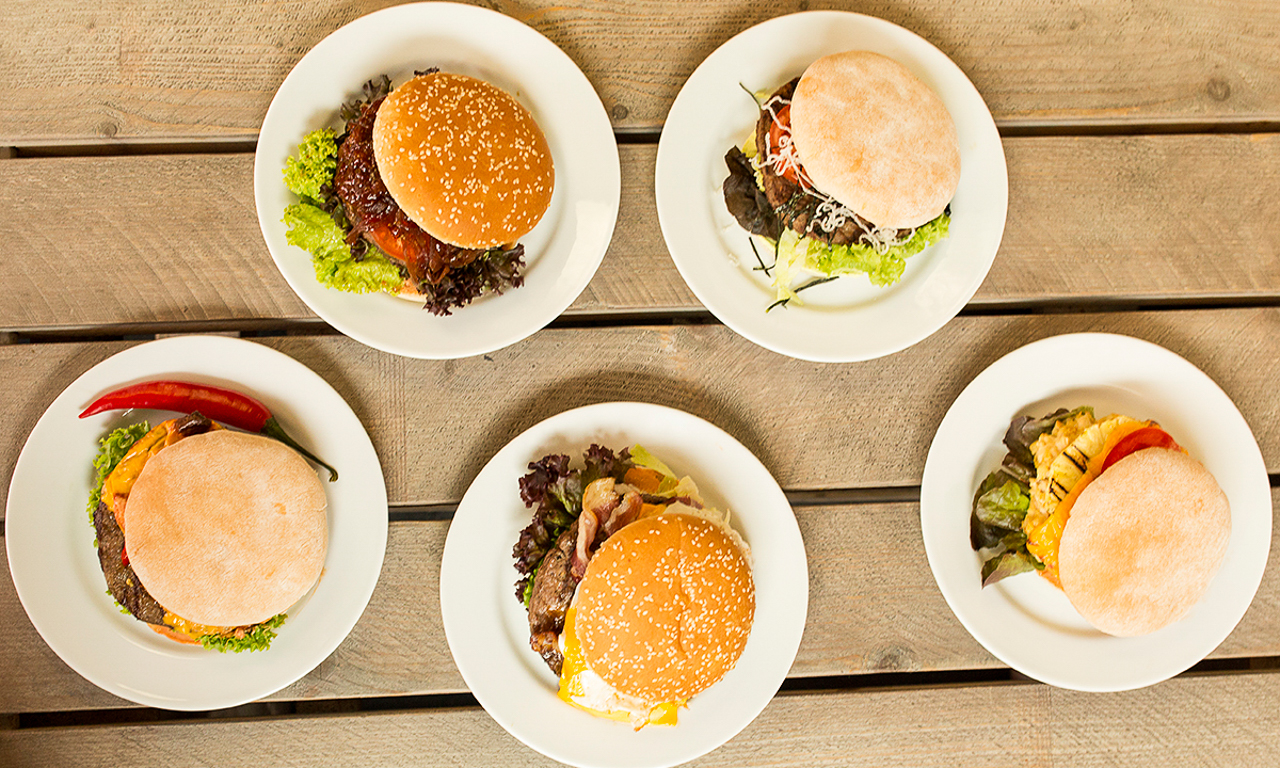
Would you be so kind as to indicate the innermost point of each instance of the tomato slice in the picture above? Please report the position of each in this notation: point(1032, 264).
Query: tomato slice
point(1147, 437)
point(781, 126)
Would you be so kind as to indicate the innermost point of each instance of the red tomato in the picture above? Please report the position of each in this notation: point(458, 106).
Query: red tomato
point(1147, 437)
point(781, 126)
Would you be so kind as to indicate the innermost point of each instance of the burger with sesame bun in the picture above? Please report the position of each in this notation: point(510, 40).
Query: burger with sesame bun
point(425, 194)
point(639, 595)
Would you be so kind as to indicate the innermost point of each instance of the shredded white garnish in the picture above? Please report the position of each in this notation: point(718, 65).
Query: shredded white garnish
point(830, 214)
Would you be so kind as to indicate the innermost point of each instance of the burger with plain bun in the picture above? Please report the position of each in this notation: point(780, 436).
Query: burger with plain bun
point(227, 528)
point(850, 170)
point(206, 534)
point(1112, 510)
point(874, 137)
point(1143, 542)
point(425, 193)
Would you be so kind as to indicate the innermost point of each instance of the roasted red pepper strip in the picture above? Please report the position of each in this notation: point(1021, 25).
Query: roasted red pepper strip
point(217, 403)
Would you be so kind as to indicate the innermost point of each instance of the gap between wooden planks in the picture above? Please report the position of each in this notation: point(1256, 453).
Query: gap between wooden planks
point(873, 608)
point(815, 426)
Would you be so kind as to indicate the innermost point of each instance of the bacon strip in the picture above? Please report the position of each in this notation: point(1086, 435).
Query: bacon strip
point(624, 514)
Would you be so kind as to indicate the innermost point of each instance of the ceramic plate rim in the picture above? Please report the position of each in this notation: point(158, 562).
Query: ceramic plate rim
point(1068, 653)
point(565, 249)
point(143, 667)
point(512, 683)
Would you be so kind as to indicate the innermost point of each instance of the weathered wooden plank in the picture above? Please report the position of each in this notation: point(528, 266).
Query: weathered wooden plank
point(161, 70)
point(175, 239)
point(1216, 720)
point(117, 241)
point(873, 607)
point(815, 426)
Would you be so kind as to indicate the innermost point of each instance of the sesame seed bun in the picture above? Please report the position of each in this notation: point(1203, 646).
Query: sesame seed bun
point(665, 608)
point(226, 529)
point(1143, 542)
point(873, 136)
point(463, 159)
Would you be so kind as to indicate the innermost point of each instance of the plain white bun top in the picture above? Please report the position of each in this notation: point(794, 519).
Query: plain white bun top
point(873, 136)
point(227, 529)
point(1143, 542)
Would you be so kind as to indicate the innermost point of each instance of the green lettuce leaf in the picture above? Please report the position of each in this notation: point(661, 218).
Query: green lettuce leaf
point(882, 268)
point(641, 457)
point(1010, 562)
point(315, 231)
point(1005, 506)
point(111, 449)
point(995, 527)
point(796, 253)
point(256, 638)
point(314, 165)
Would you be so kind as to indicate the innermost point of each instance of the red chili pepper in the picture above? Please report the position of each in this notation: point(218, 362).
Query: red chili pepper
point(217, 403)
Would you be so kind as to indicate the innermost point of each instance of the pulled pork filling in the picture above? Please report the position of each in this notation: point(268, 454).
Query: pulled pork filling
point(374, 214)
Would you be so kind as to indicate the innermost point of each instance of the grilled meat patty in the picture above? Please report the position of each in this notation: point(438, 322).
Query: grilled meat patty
point(122, 582)
point(553, 588)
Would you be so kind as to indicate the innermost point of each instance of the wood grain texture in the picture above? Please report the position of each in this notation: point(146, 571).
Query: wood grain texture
point(815, 426)
point(160, 70)
point(174, 239)
point(873, 607)
point(1216, 720)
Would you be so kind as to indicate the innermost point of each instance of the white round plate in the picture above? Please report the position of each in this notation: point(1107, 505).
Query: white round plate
point(561, 253)
point(848, 319)
point(1024, 620)
point(488, 630)
point(54, 562)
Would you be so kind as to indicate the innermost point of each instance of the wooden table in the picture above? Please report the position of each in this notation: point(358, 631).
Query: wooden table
point(1143, 143)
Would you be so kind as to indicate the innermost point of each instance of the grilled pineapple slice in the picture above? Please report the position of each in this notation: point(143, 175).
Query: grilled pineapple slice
point(1070, 466)
point(1061, 459)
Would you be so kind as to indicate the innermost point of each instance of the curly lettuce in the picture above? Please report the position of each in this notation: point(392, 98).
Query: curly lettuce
point(309, 175)
point(554, 490)
point(255, 638)
point(315, 231)
point(796, 254)
point(312, 169)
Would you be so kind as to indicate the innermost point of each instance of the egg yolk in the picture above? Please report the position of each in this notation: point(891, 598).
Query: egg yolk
point(574, 689)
